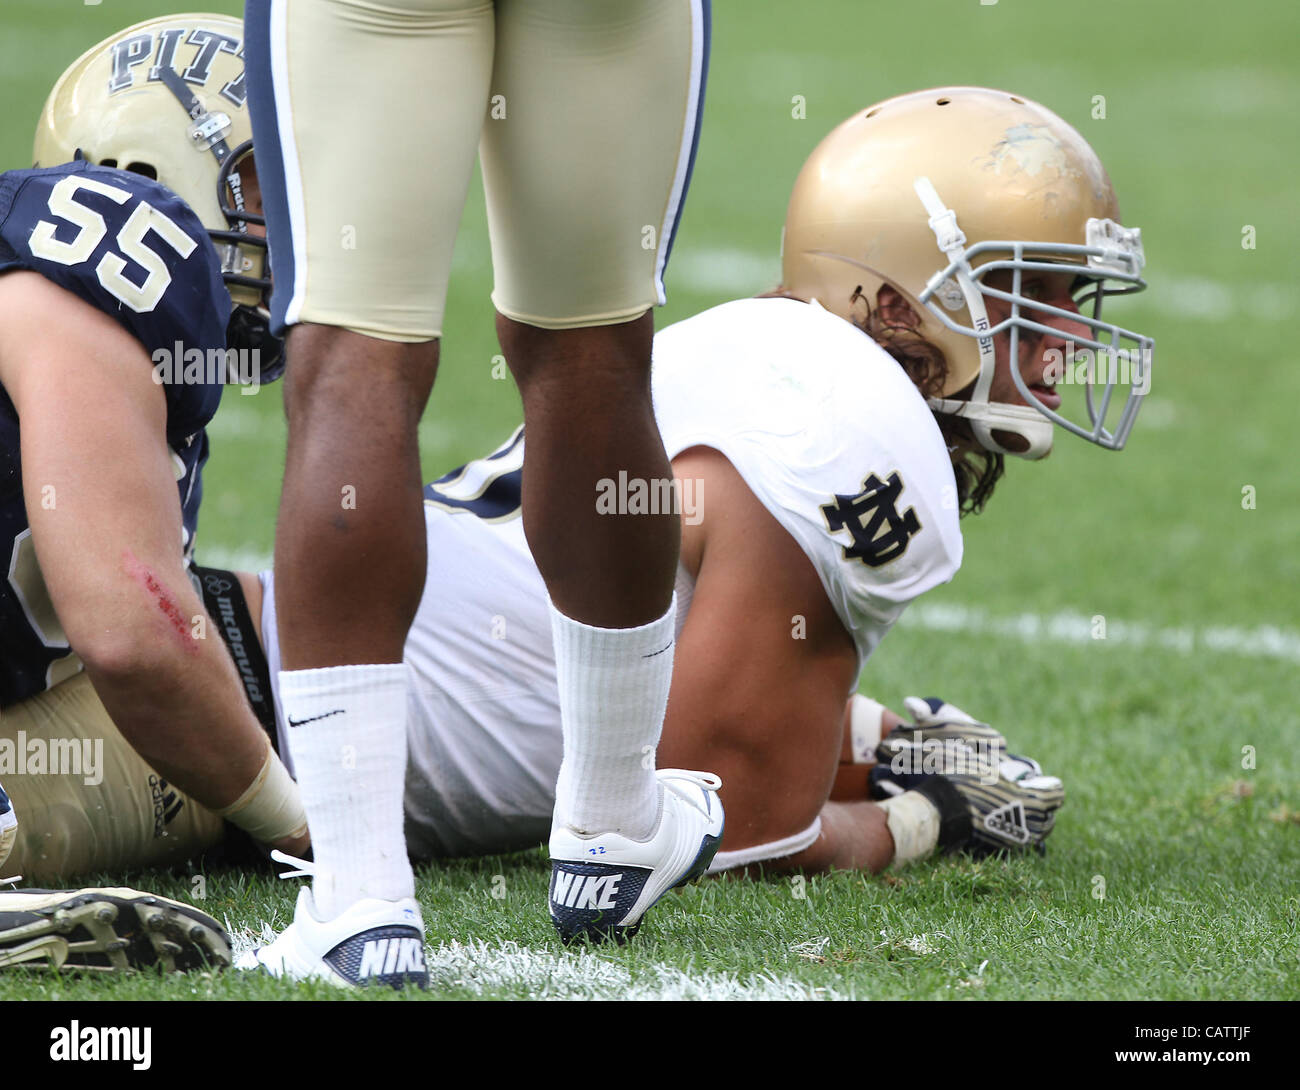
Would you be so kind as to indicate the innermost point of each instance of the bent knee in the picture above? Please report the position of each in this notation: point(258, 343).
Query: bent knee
point(576, 357)
point(330, 369)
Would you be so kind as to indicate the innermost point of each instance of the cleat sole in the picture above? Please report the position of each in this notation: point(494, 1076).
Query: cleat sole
point(107, 930)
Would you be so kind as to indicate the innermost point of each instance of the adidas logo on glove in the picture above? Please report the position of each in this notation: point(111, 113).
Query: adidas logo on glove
point(1009, 823)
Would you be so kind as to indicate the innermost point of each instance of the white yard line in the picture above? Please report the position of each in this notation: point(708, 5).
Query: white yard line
point(547, 974)
point(508, 967)
point(718, 269)
point(214, 556)
point(1264, 641)
point(737, 271)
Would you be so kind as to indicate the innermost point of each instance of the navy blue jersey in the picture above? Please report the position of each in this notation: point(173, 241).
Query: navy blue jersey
point(134, 250)
point(490, 487)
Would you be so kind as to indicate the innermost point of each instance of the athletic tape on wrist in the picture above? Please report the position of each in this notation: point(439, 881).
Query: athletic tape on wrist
point(223, 598)
point(271, 809)
point(914, 824)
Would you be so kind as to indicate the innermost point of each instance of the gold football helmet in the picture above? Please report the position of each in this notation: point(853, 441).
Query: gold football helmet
point(166, 98)
point(931, 192)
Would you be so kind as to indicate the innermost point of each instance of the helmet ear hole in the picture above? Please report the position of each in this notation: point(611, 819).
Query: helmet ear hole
point(146, 169)
point(108, 163)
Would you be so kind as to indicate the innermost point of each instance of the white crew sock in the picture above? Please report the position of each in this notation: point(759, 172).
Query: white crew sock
point(349, 753)
point(613, 695)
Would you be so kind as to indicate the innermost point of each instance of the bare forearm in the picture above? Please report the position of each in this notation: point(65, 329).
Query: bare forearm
point(167, 682)
point(107, 525)
point(159, 666)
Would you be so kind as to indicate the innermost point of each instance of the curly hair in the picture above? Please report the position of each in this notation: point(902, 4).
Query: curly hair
point(978, 470)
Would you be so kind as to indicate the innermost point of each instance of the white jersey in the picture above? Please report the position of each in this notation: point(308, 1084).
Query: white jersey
point(831, 436)
point(826, 430)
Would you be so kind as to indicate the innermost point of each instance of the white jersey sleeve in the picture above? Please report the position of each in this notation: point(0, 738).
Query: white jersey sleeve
point(833, 439)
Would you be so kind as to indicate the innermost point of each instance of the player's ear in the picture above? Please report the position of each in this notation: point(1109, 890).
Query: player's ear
point(894, 309)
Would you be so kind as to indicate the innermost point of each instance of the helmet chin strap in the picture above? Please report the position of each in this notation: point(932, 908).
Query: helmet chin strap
point(989, 417)
point(985, 416)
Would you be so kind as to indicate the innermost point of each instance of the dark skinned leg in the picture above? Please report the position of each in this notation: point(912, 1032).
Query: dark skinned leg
point(587, 415)
point(348, 576)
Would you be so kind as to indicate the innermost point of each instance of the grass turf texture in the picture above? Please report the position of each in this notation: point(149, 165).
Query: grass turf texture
point(1197, 853)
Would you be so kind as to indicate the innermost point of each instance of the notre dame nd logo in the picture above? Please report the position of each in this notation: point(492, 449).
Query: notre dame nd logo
point(880, 534)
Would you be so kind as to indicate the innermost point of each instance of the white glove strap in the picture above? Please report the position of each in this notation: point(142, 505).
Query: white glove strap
point(866, 717)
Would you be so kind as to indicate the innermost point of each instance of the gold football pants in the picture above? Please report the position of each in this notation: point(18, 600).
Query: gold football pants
point(85, 800)
point(367, 117)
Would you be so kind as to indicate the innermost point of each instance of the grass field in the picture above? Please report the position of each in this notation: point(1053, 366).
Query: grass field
point(1172, 871)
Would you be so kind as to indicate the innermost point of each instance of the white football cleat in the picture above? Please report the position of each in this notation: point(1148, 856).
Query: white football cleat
point(602, 885)
point(370, 942)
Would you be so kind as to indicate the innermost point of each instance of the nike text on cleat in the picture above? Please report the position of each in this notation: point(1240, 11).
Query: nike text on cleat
point(371, 942)
point(106, 930)
point(602, 885)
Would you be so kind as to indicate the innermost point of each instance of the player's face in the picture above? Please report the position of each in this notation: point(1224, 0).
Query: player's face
point(1032, 359)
